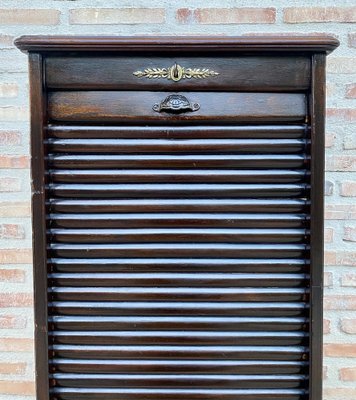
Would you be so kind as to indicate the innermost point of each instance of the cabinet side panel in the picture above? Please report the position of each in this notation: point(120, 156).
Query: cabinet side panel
point(38, 118)
point(317, 111)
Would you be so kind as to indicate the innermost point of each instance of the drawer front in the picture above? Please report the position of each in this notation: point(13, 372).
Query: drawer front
point(245, 73)
point(141, 107)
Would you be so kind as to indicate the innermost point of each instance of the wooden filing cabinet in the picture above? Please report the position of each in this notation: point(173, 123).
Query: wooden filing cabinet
point(178, 216)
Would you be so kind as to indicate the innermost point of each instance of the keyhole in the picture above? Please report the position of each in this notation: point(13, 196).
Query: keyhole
point(175, 71)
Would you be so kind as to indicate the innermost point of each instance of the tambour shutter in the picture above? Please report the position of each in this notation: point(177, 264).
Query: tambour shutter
point(178, 255)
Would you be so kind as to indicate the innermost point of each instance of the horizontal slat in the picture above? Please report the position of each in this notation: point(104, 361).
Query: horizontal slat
point(136, 107)
point(181, 176)
point(178, 265)
point(152, 308)
point(181, 220)
point(178, 394)
point(179, 381)
point(178, 366)
point(176, 132)
point(95, 323)
point(180, 205)
point(283, 353)
point(177, 190)
point(195, 250)
point(178, 338)
point(177, 279)
point(269, 73)
point(154, 146)
point(178, 294)
point(178, 235)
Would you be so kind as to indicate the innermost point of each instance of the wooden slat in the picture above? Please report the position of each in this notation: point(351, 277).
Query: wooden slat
point(185, 294)
point(177, 279)
point(175, 190)
point(289, 309)
point(178, 366)
point(186, 235)
point(178, 394)
point(176, 132)
point(208, 161)
point(178, 381)
point(212, 337)
point(156, 146)
point(214, 250)
point(136, 107)
point(179, 205)
point(178, 265)
point(171, 175)
point(283, 353)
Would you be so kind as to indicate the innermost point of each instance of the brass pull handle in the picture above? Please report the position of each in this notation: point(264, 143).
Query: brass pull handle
point(176, 103)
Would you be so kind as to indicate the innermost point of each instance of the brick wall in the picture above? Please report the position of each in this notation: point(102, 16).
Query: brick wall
point(221, 17)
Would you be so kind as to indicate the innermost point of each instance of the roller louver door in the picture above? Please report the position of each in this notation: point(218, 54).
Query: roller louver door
point(178, 263)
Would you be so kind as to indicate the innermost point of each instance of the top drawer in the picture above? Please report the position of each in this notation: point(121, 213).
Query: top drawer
point(245, 73)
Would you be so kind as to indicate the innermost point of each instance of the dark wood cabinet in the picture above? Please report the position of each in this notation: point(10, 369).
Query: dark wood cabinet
point(178, 216)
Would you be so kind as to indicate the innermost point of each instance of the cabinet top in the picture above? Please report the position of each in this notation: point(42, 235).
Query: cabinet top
point(313, 43)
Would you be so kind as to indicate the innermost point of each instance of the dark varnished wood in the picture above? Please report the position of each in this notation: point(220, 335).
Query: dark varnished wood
point(251, 73)
point(159, 44)
point(136, 107)
point(178, 256)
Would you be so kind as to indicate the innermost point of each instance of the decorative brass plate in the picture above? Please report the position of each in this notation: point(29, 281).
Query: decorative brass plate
point(176, 73)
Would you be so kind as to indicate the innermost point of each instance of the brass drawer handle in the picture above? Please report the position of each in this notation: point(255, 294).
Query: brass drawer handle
point(176, 103)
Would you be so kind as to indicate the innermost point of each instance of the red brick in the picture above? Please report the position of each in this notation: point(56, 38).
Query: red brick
point(329, 140)
point(185, 16)
point(340, 350)
point(294, 15)
point(329, 258)
point(339, 393)
point(348, 189)
point(14, 113)
point(352, 39)
point(348, 280)
point(12, 275)
point(115, 16)
point(15, 209)
point(340, 212)
point(16, 345)
point(6, 40)
point(10, 161)
point(24, 388)
point(9, 368)
point(348, 326)
point(11, 231)
point(329, 235)
point(346, 114)
point(10, 138)
point(12, 322)
point(16, 299)
point(341, 65)
point(340, 303)
point(13, 16)
point(244, 15)
point(347, 374)
point(15, 256)
point(350, 233)
point(341, 163)
point(326, 326)
point(8, 90)
point(351, 91)
point(9, 184)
